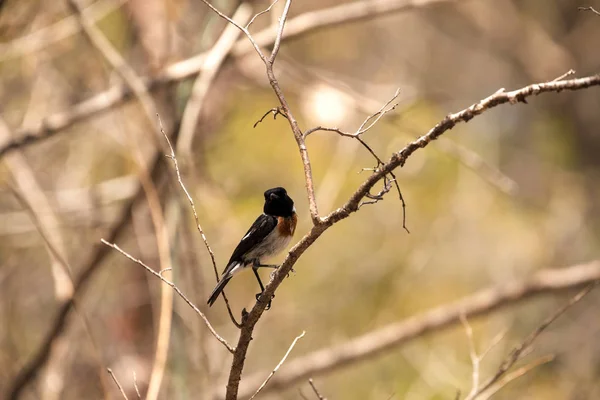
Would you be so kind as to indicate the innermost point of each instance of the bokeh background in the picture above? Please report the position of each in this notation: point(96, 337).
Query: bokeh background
point(512, 192)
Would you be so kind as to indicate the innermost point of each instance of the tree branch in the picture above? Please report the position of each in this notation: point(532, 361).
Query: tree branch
point(377, 342)
point(353, 203)
point(296, 27)
point(176, 289)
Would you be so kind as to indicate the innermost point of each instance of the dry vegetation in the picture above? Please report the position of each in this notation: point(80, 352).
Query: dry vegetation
point(111, 238)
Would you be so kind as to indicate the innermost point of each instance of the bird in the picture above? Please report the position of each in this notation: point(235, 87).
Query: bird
point(268, 236)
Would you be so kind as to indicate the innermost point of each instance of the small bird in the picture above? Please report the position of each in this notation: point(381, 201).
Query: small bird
point(268, 235)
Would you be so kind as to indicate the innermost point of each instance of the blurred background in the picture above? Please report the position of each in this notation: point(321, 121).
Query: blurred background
point(512, 192)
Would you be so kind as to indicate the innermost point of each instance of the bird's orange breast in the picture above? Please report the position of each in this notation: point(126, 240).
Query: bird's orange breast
point(287, 225)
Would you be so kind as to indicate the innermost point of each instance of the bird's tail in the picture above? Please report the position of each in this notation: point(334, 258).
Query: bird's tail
point(218, 289)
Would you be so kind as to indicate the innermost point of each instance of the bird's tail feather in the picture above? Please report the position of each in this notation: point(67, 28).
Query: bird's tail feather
point(218, 289)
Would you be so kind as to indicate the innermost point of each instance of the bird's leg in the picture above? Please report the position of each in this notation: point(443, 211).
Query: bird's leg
point(262, 288)
point(274, 267)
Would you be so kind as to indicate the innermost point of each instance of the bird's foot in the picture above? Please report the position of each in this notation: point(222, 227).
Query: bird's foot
point(268, 307)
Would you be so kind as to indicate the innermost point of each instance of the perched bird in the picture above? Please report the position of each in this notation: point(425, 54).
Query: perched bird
point(268, 235)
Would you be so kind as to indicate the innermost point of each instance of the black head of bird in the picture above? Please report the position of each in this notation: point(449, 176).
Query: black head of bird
point(278, 203)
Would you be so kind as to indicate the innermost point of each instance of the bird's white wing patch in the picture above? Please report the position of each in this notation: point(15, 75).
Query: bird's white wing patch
point(237, 268)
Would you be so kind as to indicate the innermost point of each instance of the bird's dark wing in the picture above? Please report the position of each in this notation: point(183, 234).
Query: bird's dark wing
point(259, 230)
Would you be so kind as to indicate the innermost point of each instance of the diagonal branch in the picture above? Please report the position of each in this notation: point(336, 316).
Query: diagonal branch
point(287, 353)
point(176, 289)
point(380, 341)
point(500, 97)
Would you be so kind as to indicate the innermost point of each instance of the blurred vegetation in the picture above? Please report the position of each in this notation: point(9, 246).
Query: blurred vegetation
point(467, 231)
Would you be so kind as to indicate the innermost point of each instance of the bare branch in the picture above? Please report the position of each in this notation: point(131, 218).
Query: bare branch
point(279, 35)
point(89, 266)
point(357, 135)
point(516, 354)
point(112, 56)
point(320, 225)
point(500, 97)
point(300, 25)
point(275, 111)
point(378, 115)
point(112, 375)
point(214, 59)
point(463, 155)
point(379, 341)
point(278, 365)
point(176, 289)
point(42, 38)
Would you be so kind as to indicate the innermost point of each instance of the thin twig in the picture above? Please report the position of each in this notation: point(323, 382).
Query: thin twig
point(135, 385)
point(511, 376)
point(517, 353)
point(287, 353)
point(565, 75)
point(193, 207)
point(117, 382)
point(314, 388)
point(279, 35)
point(275, 111)
point(495, 341)
point(592, 9)
point(261, 13)
point(475, 359)
point(378, 115)
point(176, 289)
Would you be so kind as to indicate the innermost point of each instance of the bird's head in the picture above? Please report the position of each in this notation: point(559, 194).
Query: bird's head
point(278, 203)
